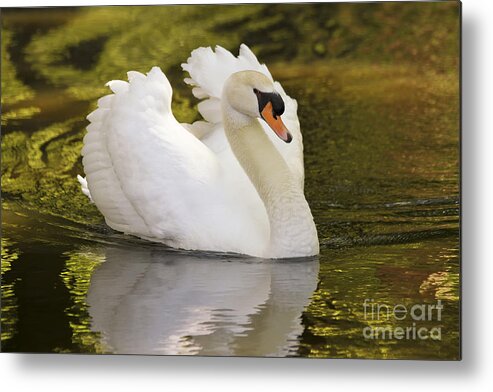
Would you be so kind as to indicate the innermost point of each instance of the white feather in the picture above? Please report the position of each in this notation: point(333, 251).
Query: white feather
point(84, 188)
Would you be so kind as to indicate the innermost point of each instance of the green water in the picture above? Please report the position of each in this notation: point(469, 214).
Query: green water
point(378, 94)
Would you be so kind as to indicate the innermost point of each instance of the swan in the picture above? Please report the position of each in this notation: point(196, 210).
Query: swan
point(232, 182)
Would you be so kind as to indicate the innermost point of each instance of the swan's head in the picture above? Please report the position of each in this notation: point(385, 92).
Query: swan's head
point(253, 94)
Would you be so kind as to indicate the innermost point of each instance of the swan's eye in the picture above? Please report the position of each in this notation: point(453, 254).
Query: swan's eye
point(274, 98)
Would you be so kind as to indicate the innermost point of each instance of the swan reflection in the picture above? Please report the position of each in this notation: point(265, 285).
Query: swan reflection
point(147, 301)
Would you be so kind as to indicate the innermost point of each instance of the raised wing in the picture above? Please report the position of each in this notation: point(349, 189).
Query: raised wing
point(147, 174)
point(208, 72)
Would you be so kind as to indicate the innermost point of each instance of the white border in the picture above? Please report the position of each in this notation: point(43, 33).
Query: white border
point(136, 373)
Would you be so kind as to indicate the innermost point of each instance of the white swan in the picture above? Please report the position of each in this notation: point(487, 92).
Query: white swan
point(227, 184)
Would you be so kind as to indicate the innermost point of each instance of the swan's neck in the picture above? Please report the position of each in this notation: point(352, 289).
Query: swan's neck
point(292, 230)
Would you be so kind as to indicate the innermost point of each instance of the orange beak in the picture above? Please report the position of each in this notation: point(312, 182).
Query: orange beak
point(276, 123)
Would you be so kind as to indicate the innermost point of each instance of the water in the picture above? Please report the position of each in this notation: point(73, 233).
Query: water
point(382, 178)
